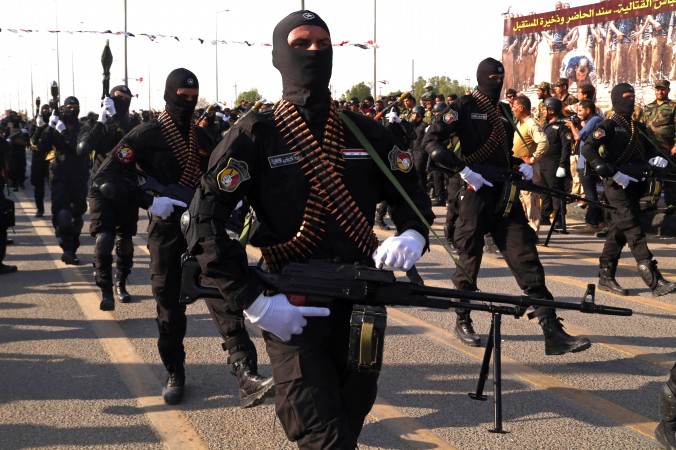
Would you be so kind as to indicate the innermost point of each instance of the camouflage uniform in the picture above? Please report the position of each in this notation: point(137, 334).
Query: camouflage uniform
point(428, 118)
point(661, 120)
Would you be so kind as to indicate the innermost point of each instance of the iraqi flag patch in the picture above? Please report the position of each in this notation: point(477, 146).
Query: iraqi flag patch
point(124, 154)
point(451, 116)
point(232, 175)
point(355, 153)
point(400, 160)
point(599, 133)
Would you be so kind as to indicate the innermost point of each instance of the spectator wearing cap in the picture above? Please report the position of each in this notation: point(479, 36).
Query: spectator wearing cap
point(544, 91)
point(428, 101)
point(660, 118)
point(510, 95)
point(561, 91)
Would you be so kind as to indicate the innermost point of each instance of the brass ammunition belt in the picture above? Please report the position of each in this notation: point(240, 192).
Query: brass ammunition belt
point(498, 136)
point(185, 153)
point(633, 139)
point(323, 167)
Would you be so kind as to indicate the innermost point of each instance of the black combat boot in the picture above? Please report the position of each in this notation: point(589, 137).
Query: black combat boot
point(121, 288)
point(665, 433)
point(465, 330)
point(253, 388)
point(654, 279)
point(381, 210)
point(172, 392)
point(607, 281)
point(70, 258)
point(557, 341)
point(4, 268)
point(107, 300)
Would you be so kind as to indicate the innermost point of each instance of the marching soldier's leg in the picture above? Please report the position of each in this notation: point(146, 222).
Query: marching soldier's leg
point(666, 429)
point(253, 388)
point(124, 251)
point(103, 266)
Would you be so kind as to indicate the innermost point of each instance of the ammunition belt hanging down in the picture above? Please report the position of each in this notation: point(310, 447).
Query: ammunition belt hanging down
point(322, 166)
point(633, 139)
point(498, 136)
point(185, 153)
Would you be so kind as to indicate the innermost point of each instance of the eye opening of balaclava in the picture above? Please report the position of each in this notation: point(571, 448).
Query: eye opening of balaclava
point(179, 109)
point(70, 115)
point(490, 87)
point(305, 73)
point(121, 103)
point(622, 105)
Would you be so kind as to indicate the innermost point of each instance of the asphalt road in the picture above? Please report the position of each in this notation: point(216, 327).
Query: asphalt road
point(73, 376)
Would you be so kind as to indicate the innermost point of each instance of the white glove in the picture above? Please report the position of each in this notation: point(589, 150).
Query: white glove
point(623, 180)
point(473, 179)
point(164, 206)
point(220, 115)
point(393, 117)
point(109, 105)
point(526, 170)
point(53, 120)
point(276, 315)
point(658, 161)
point(60, 126)
point(560, 172)
point(24, 131)
point(400, 252)
point(41, 121)
point(104, 116)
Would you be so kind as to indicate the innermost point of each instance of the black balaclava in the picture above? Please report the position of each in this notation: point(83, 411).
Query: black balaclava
point(121, 104)
point(70, 116)
point(490, 88)
point(179, 109)
point(305, 73)
point(622, 106)
point(45, 112)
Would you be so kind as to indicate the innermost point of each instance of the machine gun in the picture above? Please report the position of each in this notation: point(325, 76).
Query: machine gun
point(512, 182)
point(370, 290)
point(654, 177)
point(175, 191)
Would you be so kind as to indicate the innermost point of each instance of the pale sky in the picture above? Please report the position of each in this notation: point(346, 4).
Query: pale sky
point(419, 38)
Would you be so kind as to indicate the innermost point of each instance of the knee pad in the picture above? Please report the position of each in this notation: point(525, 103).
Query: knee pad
point(668, 402)
point(104, 243)
point(64, 219)
point(124, 246)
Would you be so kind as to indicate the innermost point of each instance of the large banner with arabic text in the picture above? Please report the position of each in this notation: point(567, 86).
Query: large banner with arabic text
point(602, 44)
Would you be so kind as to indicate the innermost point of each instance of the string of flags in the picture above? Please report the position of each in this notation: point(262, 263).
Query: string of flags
point(157, 37)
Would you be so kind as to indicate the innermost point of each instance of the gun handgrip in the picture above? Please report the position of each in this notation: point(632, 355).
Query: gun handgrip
point(297, 299)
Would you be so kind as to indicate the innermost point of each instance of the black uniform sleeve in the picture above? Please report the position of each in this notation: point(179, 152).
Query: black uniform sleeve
point(233, 169)
point(601, 136)
point(445, 125)
point(566, 144)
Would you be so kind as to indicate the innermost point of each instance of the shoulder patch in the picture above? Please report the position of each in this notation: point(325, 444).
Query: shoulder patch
point(124, 154)
point(599, 133)
point(451, 116)
point(232, 175)
point(400, 160)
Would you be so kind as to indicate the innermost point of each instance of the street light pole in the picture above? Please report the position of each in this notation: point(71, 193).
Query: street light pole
point(126, 77)
point(374, 48)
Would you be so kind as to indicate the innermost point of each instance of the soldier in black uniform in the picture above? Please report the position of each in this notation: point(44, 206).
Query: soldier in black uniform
point(6, 210)
point(487, 136)
point(666, 429)
point(39, 164)
point(175, 152)
point(625, 148)
point(112, 220)
point(274, 159)
point(69, 171)
point(555, 160)
point(18, 138)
